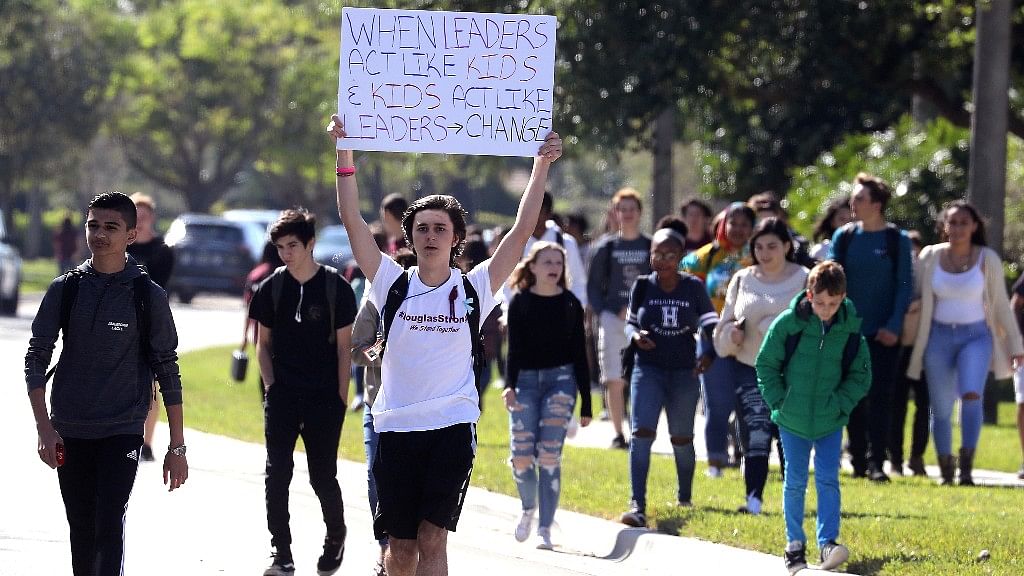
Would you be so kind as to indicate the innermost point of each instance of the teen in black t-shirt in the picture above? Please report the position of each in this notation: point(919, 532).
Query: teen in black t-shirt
point(305, 364)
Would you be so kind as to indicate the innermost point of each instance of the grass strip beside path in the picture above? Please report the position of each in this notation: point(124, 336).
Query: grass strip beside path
point(909, 527)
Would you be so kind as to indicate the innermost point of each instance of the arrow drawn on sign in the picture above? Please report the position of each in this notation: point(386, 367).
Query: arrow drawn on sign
point(457, 127)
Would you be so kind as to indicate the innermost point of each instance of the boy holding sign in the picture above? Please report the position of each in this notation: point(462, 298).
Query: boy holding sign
point(427, 408)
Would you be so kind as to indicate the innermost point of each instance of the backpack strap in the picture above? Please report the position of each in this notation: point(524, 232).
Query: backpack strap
point(68, 296)
point(396, 295)
point(892, 246)
point(479, 359)
point(792, 341)
point(850, 352)
point(842, 243)
point(331, 279)
point(143, 313)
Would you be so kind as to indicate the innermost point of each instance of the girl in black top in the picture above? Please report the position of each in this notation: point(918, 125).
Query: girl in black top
point(547, 364)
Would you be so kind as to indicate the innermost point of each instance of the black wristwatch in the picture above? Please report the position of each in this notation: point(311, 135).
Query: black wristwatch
point(179, 451)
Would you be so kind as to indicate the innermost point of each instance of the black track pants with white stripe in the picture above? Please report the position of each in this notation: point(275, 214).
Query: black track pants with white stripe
point(95, 482)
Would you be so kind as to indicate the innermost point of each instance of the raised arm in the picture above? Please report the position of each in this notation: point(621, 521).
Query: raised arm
point(510, 250)
point(364, 248)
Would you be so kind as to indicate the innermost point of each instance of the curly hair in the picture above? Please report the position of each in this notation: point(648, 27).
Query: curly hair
point(438, 202)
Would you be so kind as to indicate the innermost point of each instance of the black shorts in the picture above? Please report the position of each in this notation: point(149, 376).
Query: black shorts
point(422, 476)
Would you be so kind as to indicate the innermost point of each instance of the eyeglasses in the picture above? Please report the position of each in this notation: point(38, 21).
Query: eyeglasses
point(664, 255)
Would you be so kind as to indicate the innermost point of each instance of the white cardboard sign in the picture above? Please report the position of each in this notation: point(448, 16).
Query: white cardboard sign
point(445, 82)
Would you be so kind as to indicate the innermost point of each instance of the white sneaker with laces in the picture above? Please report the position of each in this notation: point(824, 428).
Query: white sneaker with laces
point(544, 539)
point(525, 525)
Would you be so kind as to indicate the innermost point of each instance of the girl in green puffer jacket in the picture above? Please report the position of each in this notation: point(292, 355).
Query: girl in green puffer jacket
point(813, 368)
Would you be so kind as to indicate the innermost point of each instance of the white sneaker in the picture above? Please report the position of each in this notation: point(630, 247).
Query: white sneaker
point(714, 472)
point(753, 505)
point(544, 539)
point(525, 525)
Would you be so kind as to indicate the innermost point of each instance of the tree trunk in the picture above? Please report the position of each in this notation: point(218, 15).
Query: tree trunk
point(987, 176)
point(664, 138)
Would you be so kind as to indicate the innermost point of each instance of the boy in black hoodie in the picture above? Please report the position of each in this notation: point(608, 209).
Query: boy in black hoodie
point(102, 384)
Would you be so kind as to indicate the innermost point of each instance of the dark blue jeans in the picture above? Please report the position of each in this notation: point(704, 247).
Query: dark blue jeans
point(653, 389)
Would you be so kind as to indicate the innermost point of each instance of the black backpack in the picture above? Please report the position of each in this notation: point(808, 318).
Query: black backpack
point(396, 295)
point(850, 350)
point(628, 354)
point(143, 312)
point(892, 245)
point(276, 280)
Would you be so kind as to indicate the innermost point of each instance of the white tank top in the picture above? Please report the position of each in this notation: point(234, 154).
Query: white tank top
point(959, 298)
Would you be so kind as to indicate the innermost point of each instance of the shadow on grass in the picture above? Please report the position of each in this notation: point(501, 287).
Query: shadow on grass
point(873, 565)
point(870, 515)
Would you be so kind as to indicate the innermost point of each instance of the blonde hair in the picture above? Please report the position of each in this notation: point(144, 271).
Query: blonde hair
point(141, 199)
point(628, 193)
point(522, 278)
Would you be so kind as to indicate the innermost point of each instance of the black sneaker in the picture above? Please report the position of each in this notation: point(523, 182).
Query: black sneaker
point(620, 442)
point(833, 555)
point(796, 557)
point(147, 453)
point(876, 474)
point(330, 560)
point(634, 517)
point(282, 564)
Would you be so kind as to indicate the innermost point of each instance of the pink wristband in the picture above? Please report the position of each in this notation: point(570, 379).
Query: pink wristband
point(346, 171)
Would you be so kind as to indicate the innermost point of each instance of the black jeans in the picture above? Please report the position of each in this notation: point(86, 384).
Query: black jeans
point(871, 420)
point(919, 436)
point(95, 482)
point(317, 417)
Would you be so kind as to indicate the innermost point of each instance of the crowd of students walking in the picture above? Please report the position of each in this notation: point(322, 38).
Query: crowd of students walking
point(779, 340)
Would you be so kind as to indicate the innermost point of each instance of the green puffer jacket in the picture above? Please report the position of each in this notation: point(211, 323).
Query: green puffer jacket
point(811, 399)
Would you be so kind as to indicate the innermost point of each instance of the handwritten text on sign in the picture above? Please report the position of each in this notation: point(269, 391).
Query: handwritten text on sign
point(452, 82)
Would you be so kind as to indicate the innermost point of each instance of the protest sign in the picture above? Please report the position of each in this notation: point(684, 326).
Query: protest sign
point(445, 82)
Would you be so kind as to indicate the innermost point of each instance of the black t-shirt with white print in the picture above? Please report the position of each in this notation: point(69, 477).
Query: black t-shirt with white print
point(303, 356)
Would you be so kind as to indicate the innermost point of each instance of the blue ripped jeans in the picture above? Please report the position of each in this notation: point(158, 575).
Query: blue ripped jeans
point(547, 397)
point(676, 391)
point(956, 362)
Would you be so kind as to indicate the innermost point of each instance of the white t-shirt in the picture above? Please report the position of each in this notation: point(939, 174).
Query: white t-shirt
point(427, 379)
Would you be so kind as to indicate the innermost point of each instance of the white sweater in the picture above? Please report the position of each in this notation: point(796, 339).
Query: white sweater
point(759, 303)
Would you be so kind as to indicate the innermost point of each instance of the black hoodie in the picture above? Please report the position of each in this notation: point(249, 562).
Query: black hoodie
point(100, 386)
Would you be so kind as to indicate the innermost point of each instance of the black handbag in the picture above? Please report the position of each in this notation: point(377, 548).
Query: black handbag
point(239, 365)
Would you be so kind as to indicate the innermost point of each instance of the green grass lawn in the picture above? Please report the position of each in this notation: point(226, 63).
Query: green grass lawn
point(37, 274)
point(911, 526)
